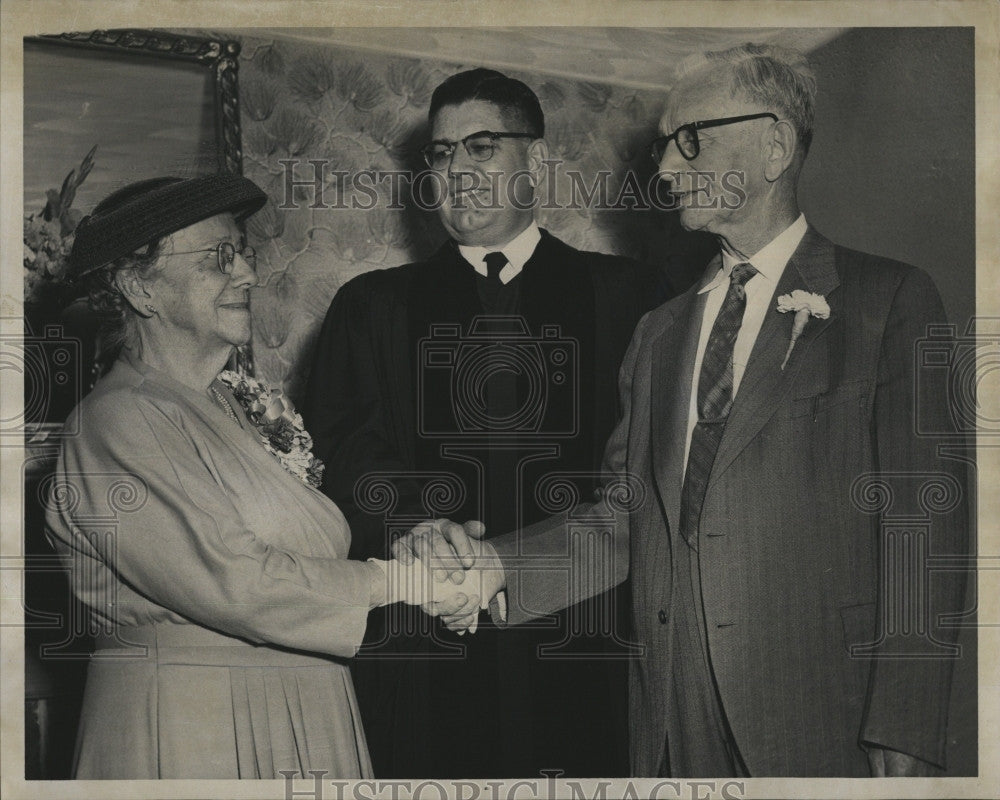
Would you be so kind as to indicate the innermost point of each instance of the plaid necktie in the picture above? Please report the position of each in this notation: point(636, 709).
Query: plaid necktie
point(715, 399)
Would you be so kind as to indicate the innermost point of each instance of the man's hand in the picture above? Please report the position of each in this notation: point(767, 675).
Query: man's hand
point(885, 763)
point(461, 617)
point(459, 606)
point(446, 546)
point(487, 579)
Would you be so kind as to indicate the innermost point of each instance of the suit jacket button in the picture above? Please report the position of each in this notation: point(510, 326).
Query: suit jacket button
point(662, 616)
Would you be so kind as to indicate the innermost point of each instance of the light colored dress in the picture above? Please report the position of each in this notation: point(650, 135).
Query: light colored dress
point(191, 547)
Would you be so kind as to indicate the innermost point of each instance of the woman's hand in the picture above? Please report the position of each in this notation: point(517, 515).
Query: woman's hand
point(458, 605)
point(416, 584)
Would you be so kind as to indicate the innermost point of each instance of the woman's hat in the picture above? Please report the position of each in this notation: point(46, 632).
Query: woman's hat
point(148, 210)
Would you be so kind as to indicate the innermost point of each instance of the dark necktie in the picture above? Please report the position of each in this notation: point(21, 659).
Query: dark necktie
point(715, 399)
point(494, 263)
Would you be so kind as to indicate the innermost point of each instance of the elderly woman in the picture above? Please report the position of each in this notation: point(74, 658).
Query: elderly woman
point(214, 572)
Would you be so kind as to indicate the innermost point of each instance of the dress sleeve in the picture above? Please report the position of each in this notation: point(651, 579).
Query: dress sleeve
point(181, 542)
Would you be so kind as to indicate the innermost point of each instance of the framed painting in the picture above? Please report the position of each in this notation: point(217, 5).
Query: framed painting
point(103, 109)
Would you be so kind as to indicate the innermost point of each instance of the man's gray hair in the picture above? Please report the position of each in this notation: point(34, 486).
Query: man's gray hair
point(776, 77)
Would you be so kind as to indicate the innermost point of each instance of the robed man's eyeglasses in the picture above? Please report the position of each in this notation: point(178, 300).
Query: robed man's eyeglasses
point(479, 145)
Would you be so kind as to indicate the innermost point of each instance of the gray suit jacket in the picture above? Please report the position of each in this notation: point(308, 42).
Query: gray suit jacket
point(817, 460)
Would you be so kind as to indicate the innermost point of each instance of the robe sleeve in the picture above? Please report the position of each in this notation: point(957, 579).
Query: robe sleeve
point(356, 428)
point(180, 540)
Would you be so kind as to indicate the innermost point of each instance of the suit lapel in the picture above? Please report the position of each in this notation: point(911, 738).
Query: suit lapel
point(812, 268)
point(673, 370)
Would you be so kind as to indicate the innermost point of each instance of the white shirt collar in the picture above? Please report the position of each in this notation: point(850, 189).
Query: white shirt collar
point(518, 250)
point(769, 261)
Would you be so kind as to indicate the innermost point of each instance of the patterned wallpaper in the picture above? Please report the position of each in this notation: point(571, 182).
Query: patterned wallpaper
point(363, 111)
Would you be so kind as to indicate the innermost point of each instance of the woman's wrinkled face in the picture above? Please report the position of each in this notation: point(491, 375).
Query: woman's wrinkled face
point(193, 298)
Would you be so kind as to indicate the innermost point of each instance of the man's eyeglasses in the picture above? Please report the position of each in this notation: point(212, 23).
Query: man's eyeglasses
point(479, 145)
point(686, 136)
point(226, 254)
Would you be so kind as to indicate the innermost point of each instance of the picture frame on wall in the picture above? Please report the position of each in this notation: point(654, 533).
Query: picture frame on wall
point(103, 109)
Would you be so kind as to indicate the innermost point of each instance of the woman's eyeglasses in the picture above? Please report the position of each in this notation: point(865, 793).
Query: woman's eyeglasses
point(226, 253)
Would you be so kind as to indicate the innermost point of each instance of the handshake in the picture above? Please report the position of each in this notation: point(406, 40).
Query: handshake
point(447, 570)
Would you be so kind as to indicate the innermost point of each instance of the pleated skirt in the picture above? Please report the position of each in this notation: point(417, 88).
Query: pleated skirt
point(179, 701)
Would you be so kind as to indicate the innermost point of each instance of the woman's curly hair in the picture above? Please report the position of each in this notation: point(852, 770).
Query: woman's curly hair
point(118, 318)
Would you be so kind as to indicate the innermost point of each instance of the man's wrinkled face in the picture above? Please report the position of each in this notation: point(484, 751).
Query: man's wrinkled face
point(721, 187)
point(482, 203)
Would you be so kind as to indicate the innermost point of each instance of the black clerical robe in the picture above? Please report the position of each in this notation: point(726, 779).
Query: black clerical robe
point(402, 403)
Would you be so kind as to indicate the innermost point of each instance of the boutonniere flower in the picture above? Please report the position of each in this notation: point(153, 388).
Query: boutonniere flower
point(804, 304)
point(279, 426)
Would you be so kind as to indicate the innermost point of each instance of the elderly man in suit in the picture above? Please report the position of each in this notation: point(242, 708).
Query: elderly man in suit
point(764, 589)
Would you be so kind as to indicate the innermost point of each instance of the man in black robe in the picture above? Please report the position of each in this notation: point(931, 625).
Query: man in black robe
point(475, 384)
